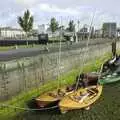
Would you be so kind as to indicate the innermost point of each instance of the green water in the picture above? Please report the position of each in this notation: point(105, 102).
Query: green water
point(106, 108)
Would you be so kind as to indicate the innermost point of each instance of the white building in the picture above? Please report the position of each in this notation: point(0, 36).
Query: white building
point(42, 28)
point(98, 33)
point(8, 32)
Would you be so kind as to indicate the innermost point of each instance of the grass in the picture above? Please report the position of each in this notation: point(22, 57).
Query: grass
point(21, 99)
point(106, 108)
point(7, 48)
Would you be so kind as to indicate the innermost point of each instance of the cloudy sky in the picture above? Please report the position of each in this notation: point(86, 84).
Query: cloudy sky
point(63, 10)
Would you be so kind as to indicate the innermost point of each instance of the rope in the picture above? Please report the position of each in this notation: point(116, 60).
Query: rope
point(28, 109)
point(87, 44)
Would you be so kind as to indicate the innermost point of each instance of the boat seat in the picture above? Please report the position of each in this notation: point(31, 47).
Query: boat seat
point(81, 98)
point(94, 90)
point(69, 92)
point(90, 92)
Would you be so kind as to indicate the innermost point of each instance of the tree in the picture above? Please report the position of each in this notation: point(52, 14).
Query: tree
point(53, 25)
point(26, 22)
point(71, 26)
point(61, 27)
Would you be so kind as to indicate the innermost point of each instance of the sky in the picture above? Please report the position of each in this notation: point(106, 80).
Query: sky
point(62, 10)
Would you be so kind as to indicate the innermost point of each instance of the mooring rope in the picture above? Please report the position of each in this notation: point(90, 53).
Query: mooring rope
point(27, 109)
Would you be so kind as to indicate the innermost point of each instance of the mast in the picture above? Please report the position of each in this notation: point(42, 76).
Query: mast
point(87, 44)
point(59, 55)
point(78, 25)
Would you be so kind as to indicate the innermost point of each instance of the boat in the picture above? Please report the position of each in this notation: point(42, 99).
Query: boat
point(84, 96)
point(52, 97)
point(81, 99)
point(111, 71)
point(112, 65)
point(110, 78)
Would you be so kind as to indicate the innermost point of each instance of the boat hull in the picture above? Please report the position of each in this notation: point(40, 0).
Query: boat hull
point(51, 98)
point(42, 104)
point(46, 99)
point(109, 79)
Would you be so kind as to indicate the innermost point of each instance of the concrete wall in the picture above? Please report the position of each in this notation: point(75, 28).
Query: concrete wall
point(26, 73)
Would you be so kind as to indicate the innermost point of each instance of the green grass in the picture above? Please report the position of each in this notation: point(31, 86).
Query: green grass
point(106, 108)
point(7, 48)
point(21, 99)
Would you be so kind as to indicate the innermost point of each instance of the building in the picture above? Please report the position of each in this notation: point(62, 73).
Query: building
point(8, 32)
point(109, 30)
point(84, 30)
point(45, 28)
point(83, 33)
point(42, 28)
point(98, 33)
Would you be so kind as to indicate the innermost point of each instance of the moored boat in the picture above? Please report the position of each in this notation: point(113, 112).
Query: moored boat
point(111, 78)
point(111, 71)
point(52, 97)
point(81, 98)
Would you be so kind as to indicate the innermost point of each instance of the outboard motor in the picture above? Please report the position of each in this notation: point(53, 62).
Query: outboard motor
point(112, 65)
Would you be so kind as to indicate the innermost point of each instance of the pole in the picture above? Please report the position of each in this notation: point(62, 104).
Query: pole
point(59, 56)
point(114, 48)
point(84, 56)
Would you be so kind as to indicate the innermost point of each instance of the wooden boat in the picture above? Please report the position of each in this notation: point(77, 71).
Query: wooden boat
point(82, 98)
point(109, 78)
point(52, 97)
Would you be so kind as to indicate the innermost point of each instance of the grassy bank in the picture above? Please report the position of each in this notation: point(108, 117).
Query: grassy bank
point(21, 100)
point(7, 48)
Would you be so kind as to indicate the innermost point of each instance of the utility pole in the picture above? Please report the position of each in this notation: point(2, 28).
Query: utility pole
point(114, 47)
point(78, 25)
point(113, 41)
point(78, 31)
